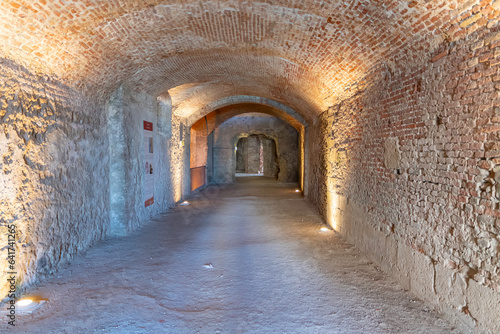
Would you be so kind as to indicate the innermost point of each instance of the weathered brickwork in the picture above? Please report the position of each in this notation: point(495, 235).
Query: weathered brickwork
point(417, 154)
point(308, 54)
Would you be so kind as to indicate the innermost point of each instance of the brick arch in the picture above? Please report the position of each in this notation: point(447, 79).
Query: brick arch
point(194, 81)
point(223, 109)
point(99, 45)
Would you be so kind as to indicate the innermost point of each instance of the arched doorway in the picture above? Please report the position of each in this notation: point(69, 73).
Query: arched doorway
point(256, 155)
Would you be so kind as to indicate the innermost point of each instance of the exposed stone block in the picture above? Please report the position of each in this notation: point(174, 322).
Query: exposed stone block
point(392, 154)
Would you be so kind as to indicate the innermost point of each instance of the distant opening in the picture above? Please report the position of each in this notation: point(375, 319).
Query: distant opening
point(199, 141)
point(216, 137)
point(256, 155)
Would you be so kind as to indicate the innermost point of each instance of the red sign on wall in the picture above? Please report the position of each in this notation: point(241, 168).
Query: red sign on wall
point(148, 126)
point(149, 180)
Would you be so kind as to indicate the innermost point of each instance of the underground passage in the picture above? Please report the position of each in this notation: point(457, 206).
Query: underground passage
point(250, 166)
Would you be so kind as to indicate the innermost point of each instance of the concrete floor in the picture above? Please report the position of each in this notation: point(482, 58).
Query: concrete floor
point(245, 258)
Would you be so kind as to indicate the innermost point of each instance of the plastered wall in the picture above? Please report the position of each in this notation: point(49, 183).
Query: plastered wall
point(127, 110)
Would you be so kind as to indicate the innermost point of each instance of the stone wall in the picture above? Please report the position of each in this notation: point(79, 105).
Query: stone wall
point(270, 163)
point(54, 172)
point(127, 110)
point(241, 155)
point(228, 133)
point(253, 154)
point(408, 172)
point(71, 169)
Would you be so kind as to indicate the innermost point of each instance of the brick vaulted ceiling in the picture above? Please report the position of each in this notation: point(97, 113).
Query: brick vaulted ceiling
point(302, 53)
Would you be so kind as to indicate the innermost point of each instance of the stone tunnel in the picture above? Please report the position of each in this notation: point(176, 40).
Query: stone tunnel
point(377, 121)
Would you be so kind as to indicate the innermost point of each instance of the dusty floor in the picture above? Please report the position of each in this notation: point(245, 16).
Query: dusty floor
point(246, 258)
